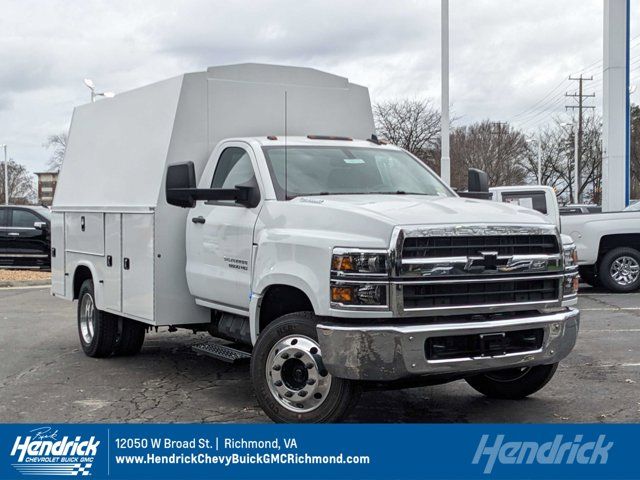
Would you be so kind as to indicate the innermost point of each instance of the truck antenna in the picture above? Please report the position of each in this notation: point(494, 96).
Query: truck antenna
point(286, 194)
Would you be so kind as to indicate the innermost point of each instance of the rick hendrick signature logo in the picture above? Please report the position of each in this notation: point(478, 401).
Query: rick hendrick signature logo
point(44, 451)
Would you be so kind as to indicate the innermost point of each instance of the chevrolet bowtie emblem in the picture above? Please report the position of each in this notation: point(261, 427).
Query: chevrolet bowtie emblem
point(489, 260)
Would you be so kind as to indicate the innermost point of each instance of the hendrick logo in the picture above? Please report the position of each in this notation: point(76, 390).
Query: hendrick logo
point(548, 453)
point(44, 451)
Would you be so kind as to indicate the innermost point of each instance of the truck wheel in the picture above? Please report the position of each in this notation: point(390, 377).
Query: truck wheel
point(513, 383)
point(588, 275)
point(289, 378)
point(97, 329)
point(130, 337)
point(620, 270)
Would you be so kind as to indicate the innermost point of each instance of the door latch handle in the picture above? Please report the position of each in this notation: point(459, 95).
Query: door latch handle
point(16, 234)
point(126, 264)
point(198, 220)
point(109, 260)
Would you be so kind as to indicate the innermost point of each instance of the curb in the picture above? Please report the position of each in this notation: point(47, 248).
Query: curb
point(24, 283)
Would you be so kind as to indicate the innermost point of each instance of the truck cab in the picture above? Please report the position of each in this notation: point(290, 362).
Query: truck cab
point(336, 263)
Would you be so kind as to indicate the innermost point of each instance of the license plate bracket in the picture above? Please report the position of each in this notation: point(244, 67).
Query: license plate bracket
point(493, 344)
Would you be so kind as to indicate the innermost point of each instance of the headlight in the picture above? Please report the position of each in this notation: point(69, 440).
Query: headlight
point(345, 261)
point(570, 256)
point(359, 295)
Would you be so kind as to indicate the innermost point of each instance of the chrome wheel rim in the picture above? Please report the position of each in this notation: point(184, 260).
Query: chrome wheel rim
point(87, 320)
point(296, 375)
point(508, 375)
point(625, 270)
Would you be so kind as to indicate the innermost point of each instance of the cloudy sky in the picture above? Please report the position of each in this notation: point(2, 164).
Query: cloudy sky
point(509, 58)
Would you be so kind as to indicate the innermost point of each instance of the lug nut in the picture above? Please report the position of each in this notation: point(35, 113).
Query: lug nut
point(284, 356)
point(277, 368)
point(288, 394)
point(311, 381)
point(302, 393)
point(309, 365)
point(278, 383)
point(298, 354)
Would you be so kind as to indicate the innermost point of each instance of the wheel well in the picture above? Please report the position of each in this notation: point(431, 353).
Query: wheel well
point(81, 274)
point(274, 306)
point(609, 242)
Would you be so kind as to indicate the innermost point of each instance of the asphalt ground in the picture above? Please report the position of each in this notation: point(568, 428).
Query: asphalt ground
point(45, 376)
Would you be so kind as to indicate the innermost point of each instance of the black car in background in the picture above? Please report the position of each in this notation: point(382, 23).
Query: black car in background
point(25, 240)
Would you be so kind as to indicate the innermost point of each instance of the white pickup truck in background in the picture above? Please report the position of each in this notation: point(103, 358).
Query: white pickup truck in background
point(608, 244)
point(336, 264)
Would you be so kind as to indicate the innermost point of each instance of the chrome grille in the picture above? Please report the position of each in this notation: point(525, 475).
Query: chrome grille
point(452, 269)
point(430, 247)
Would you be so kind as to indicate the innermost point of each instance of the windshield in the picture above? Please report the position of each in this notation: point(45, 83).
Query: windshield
point(345, 170)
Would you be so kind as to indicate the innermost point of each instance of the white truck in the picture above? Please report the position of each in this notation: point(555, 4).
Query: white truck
point(608, 244)
point(336, 264)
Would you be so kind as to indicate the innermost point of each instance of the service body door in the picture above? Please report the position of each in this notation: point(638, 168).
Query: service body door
point(57, 254)
point(112, 282)
point(137, 264)
point(220, 235)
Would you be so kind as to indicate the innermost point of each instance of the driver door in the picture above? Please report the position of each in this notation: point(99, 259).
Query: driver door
point(220, 235)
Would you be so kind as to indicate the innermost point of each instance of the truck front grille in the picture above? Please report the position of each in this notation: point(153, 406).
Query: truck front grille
point(436, 295)
point(466, 246)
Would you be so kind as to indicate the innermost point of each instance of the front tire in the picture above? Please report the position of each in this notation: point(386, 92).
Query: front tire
point(620, 270)
point(97, 329)
point(513, 383)
point(289, 378)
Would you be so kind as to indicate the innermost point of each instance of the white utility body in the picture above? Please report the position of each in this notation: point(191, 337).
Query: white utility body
point(336, 262)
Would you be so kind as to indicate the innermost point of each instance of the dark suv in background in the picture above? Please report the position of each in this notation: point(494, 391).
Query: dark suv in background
point(25, 240)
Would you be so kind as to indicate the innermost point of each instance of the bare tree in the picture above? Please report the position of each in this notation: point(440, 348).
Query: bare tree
point(411, 124)
point(495, 148)
point(21, 185)
point(635, 151)
point(59, 145)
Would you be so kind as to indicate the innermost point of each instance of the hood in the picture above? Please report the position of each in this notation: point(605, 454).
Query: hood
point(423, 209)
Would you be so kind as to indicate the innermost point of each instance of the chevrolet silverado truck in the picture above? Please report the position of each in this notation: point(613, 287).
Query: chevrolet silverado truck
point(223, 202)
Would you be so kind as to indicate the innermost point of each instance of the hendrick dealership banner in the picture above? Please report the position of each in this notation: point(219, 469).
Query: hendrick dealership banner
point(319, 451)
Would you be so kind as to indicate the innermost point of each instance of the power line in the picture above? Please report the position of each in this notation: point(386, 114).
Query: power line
point(580, 95)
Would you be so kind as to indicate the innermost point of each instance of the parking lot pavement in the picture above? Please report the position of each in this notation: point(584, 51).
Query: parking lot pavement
point(45, 377)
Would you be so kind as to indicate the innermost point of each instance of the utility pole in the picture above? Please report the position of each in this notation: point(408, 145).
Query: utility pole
point(580, 107)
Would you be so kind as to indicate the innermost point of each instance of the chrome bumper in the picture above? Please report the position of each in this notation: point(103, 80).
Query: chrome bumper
point(388, 352)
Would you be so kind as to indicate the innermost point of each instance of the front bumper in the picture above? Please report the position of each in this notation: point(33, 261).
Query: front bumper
point(392, 352)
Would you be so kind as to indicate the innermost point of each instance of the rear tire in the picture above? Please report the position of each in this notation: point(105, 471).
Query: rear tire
point(513, 383)
point(130, 337)
point(620, 270)
point(97, 329)
point(289, 378)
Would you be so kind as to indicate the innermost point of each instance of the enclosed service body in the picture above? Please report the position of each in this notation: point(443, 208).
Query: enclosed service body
point(109, 213)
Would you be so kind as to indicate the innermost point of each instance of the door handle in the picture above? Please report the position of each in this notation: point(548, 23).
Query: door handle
point(14, 234)
point(126, 264)
point(198, 220)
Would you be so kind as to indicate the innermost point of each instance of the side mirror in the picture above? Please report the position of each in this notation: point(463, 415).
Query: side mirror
point(478, 180)
point(181, 191)
point(42, 226)
point(181, 178)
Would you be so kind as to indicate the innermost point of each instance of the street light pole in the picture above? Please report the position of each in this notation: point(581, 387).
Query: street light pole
point(6, 176)
point(445, 160)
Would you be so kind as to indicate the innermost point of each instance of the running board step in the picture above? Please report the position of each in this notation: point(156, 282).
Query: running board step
point(221, 352)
